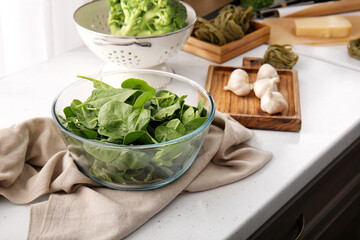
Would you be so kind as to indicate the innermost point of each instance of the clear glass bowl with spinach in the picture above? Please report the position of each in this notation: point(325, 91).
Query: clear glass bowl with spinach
point(134, 129)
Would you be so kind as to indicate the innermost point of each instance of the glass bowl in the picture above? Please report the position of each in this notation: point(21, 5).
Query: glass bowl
point(135, 167)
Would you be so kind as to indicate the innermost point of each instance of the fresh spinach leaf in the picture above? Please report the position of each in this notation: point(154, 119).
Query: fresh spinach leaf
point(137, 84)
point(176, 125)
point(113, 111)
point(194, 124)
point(113, 117)
point(101, 153)
point(85, 116)
point(81, 131)
point(139, 138)
point(164, 98)
point(101, 96)
point(201, 107)
point(138, 119)
point(164, 134)
point(68, 112)
point(188, 114)
point(130, 160)
point(169, 111)
point(168, 154)
point(96, 83)
point(142, 99)
point(100, 170)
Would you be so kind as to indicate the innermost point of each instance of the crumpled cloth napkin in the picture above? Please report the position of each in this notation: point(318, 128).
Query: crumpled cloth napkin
point(34, 161)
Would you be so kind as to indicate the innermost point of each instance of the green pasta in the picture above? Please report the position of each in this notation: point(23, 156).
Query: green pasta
point(354, 48)
point(231, 24)
point(281, 56)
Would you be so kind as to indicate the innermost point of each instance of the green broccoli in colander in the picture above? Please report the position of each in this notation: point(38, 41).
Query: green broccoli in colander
point(145, 17)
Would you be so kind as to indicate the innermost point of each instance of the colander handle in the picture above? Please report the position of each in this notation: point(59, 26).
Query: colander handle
point(104, 42)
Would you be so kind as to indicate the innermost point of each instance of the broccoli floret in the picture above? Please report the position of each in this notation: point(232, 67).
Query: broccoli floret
point(256, 4)
point(145, 17)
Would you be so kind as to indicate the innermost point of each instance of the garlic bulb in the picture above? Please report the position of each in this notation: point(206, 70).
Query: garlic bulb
point(273, 102)
point(239, 83)
point(267, 71)
point(261, 86)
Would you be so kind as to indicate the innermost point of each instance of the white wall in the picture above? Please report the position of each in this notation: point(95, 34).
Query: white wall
point(34, 31)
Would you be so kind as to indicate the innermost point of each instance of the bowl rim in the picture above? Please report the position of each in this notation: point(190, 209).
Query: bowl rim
point(205, 125)
point(109, 36)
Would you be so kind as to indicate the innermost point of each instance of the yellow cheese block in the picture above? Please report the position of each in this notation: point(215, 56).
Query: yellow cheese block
point(326, 27)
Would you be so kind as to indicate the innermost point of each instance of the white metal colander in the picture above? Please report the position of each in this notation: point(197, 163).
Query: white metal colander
point(128, 52)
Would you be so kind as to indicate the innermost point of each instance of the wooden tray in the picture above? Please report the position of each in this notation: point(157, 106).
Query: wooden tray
point(220, 54)
point(247, 109)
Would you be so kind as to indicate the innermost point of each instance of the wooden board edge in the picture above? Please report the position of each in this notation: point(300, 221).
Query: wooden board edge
point(220, 54)
point(200, 44)
point(202, 52)
point(274, 124)
point(209, 77)
point(248, 62)
point(297, 92)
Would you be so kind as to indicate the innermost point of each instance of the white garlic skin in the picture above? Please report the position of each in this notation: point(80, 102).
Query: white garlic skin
point(267, 71)
point(239, 83)
point(261, 86)
point(273, 102)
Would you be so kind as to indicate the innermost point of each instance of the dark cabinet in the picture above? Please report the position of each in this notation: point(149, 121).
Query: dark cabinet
point(326, 208)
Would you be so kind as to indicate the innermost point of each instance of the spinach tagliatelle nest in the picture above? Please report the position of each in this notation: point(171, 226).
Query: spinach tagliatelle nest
point(231, 24)
point(135, 114)
point(281, 56)
point(353, 48)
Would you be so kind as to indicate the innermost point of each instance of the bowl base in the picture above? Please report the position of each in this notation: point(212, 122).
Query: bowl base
point(157, 83)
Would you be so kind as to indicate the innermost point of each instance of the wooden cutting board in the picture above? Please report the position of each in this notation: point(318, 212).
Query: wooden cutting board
point(328, 8)
point(247, 109)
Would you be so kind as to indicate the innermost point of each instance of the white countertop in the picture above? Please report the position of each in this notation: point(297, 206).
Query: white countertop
point(329, 98)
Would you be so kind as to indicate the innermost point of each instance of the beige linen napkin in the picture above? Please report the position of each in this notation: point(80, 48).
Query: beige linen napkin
point(34, 161)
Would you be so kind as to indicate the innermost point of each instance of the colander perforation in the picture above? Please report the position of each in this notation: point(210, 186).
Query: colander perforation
point(126, 58)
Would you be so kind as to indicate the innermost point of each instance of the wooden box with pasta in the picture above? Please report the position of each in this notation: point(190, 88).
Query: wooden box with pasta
point(259, 34)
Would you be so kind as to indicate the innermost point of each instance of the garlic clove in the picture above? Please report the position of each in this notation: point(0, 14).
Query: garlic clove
point(266, 71)
point(273, 102)
point(239, 83)
point(261, 86)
